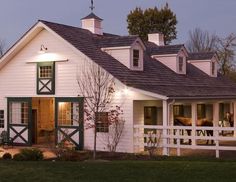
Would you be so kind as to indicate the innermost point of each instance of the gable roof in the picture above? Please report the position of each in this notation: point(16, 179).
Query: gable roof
point(161, 50)
point(92, 16)
point(201, 56)
point(156, 77)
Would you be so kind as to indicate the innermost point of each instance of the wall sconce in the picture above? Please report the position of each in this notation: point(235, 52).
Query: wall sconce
point(43, 49)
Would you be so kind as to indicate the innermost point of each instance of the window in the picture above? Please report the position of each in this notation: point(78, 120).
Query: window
point(46, 78)
point(181, 64)
point(213, 68)
point(1, 118)
point(201, 111)
point(19, 112)
point(150, 115)
point(178, 110)
point(45, 71)
point(102, 122)
point(135, 58)
point(68, 114)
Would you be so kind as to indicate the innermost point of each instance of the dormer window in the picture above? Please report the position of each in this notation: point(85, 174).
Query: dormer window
point(135, 58)
point(213, 68)
point(181, 64)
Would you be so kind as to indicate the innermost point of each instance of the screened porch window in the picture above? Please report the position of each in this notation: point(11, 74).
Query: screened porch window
point(201, 111)
point(1, 118)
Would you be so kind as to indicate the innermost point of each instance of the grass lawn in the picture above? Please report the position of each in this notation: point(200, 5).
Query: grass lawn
point(164, 170)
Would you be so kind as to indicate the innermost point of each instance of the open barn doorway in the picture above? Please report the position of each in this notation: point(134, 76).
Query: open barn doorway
point(43, 121)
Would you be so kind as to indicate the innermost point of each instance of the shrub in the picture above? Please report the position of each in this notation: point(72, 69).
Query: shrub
point(7, 156)
point(72, 155)
point(29, 154)
point(18, 157)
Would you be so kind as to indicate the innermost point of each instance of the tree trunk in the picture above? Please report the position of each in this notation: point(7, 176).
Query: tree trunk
point(95, 142)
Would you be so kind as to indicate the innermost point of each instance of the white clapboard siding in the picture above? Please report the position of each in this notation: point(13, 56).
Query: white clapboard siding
point(18, 79)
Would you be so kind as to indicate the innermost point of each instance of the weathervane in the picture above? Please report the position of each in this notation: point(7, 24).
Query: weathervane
point(92, 6)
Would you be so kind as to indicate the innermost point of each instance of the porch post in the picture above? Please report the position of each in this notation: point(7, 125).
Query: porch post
point(216, 112)
point(234, 106)
point(194, 119)
point(165, 124)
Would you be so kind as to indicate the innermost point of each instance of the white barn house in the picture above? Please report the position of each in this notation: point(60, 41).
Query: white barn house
point(163, 90)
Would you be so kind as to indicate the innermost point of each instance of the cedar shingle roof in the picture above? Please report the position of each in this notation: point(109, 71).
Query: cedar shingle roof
point(201, 56)
point(116, 41)
point(155, 77)
point(161, 50)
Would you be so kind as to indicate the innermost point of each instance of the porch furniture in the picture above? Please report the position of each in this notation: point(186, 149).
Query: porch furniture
point(5, 140)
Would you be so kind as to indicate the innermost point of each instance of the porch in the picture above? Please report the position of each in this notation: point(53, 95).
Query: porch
point(183, 125)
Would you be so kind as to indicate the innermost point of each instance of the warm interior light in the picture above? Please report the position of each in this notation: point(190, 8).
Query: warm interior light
point(43, 49)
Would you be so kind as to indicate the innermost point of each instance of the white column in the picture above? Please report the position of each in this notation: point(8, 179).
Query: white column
point(165, 124)
point(216, 113)
point(234, 118)
point(194, 120)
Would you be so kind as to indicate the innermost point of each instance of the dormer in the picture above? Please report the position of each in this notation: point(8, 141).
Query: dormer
point(128, 50)
point(205, 61)
point(92, 23)
point(172, 56)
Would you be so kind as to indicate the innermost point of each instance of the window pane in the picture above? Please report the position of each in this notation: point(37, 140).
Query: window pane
point(68, 113)
point(201, 111)
point(135, 58)
point(102, 122)
point(45, 72)
point(181, 62)
point(19, 112)
point(212, 68)
point(1, 118)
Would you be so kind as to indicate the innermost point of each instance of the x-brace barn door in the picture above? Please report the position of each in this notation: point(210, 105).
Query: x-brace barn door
point(69, 121)
point(19, 120)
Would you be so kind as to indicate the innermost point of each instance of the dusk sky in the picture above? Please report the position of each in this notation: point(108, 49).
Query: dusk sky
point(17, 16)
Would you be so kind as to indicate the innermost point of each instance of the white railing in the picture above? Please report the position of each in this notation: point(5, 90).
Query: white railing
point(184, 137)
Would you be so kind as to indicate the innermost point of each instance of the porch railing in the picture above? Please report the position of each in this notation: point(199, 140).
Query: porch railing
point(185, 137)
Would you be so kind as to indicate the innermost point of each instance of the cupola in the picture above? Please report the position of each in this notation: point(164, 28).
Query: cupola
point(92, 23)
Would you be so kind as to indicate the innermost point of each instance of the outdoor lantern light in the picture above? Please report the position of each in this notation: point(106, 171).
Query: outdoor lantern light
point(43, 49)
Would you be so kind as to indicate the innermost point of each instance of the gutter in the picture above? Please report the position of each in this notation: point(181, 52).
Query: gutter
point(203, 97)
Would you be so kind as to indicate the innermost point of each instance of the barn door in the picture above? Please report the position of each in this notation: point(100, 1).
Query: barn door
point(69, 121)
point(19, 120)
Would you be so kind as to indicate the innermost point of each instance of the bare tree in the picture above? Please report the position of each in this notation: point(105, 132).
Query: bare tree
point(201, 41)
point(116, 126)
point(97, 86)
point(2, 47)
point(226, 52)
